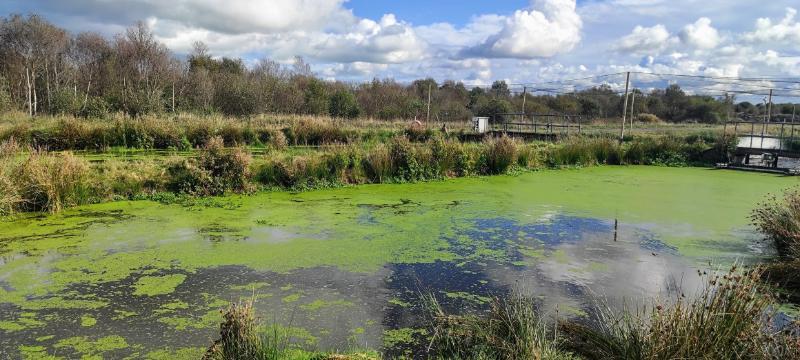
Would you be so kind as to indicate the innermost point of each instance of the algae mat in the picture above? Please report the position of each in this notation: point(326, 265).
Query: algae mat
point(344, 268)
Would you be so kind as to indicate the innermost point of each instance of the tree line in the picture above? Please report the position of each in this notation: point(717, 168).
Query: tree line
point(45, 69)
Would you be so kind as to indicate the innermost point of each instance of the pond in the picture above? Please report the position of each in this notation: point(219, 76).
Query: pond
point(346, 268)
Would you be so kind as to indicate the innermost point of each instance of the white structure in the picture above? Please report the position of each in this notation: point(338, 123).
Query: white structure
point(480, 124)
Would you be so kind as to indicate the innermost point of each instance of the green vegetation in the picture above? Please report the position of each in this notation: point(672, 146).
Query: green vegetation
point(779, 221)
point(513, 329)
point(37, 180)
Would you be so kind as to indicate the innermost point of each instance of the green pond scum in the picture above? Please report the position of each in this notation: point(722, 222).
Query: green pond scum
point(329, 261)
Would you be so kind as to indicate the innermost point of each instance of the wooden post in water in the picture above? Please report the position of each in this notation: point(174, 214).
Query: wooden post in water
point(625, 106)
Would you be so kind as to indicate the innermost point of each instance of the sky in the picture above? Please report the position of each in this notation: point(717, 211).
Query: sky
point(473, 41)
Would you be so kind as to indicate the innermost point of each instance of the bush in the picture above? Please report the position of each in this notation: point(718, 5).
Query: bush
point(95, 108)
point(239, 336)
point(49, 182)
point(498, 155)
point(65, 102)
point(274, 173)
point(779, 221)
point(405, 165)
point(214, 172)
point(513, 329)
point(377, 164)
point(725, 321)
point(318, 132)
point(648, 119)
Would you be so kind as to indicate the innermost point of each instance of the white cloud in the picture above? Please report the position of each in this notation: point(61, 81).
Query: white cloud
point(645, 40)
point(701, 34)
point(787, 30)
point(551, 27)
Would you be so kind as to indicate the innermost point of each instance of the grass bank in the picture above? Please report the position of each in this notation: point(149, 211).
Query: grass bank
point(32, 179)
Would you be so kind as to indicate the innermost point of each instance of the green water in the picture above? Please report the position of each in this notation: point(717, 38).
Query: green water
point(344, 268)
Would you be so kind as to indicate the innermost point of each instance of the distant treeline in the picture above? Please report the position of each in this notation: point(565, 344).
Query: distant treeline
point(46, 70)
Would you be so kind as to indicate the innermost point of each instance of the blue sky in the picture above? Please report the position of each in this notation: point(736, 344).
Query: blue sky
point(520, 41)
point(422, 12)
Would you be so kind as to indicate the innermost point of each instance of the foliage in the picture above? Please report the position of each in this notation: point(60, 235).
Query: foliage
point(729, 319)
point(343, 104)
point(779, 221)
point(512, 329)
point(499, 155)
point(215, 171)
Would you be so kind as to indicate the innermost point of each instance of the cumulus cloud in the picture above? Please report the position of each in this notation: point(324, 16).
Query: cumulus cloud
point(386, 41)
point(228, 16)
point(551, 27)
point(787, 30)
point(701, 34)
point(645, 40)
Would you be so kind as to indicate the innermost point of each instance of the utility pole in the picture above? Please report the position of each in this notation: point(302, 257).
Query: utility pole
point(633, 108)
point(769, 107)
point(524, 96)
point(428, 117)
point(625, 106)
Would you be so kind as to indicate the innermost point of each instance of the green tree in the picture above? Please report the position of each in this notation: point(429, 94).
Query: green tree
point(315, 97)
point(343, 104)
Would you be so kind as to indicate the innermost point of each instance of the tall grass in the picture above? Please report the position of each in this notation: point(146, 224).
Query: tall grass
point(730, 319)
point(513, 329)
point(778, 219)
point(32, 180)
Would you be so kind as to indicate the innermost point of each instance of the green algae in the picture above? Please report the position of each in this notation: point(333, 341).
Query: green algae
point(176, 354)
point(34, 352)
point(92, 348)
point(319, 304)
point(11, 326)
point(394, 337)
point(88, 321)
point(158, 285)
point(292, 298)
point(203, 321)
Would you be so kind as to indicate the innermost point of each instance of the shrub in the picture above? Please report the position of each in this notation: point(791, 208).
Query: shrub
point(648, 119)
point(95, 108)
point(65, 102)
point(419, 133)
point(498, 155)
point(377, 164)
point(318, 132)
point(274, 173)
point(50, 182)
point(513, 329)
point(779, 221)
point(215, 171)
point(405, 165)
point(725, 321)
point(239, 336)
